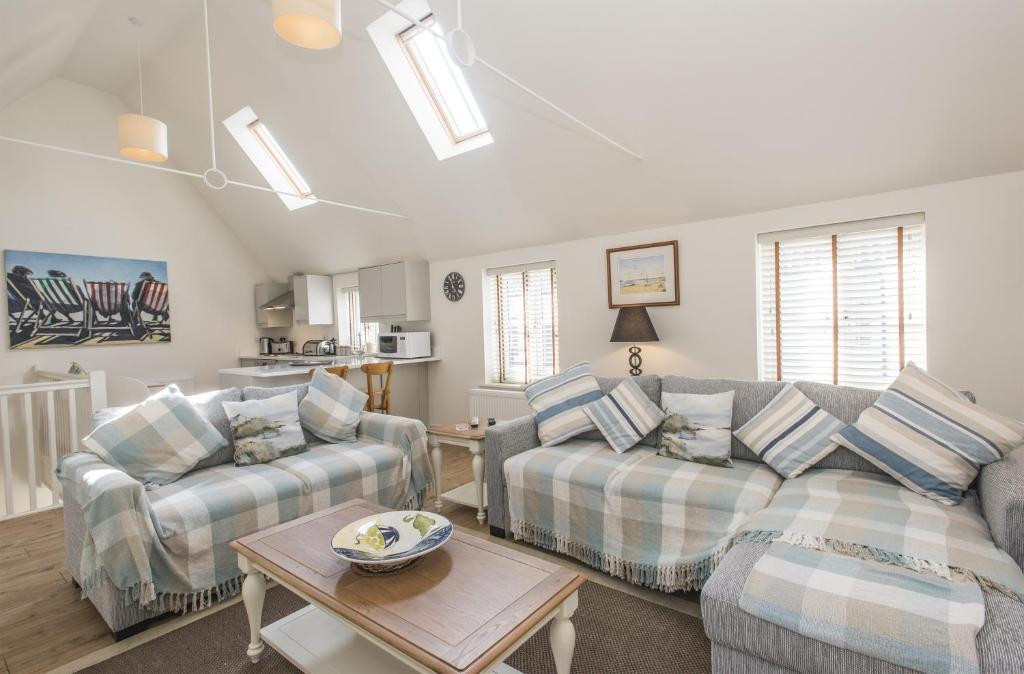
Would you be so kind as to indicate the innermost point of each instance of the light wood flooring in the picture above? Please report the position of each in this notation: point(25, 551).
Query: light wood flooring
point(44, 625)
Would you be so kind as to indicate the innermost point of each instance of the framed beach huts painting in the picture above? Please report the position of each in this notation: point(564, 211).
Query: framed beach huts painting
point(643, 276)
point(80, 300)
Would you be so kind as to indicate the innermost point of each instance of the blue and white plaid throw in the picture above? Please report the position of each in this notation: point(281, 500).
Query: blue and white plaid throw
point(649, 519)
point(921, 622)
point(170, 545)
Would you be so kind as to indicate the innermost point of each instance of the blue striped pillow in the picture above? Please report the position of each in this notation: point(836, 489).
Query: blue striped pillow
point(932, 439)
point(557, 402)
point(791, 433)
point(625, 415)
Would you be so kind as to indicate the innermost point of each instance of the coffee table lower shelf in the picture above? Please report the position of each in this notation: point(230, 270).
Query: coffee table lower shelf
point(316, 643)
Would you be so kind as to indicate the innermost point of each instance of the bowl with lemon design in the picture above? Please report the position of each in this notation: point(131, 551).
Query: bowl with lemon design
point(391, 540)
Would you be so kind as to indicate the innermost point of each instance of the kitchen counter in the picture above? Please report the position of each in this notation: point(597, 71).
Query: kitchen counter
point(408, 380)
point(285, 370)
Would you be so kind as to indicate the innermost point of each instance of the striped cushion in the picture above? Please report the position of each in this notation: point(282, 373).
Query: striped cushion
point(158, 440)
point(331, 408)
point(625, 415)
point(557, 402)
point(930, 437)
point(791, 433)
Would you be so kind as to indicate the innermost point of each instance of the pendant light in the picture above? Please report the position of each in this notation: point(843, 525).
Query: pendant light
point(139, 137)
point(311, 24)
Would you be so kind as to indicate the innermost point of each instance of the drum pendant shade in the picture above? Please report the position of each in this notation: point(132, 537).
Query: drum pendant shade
point(311, 24)
point(141, 138)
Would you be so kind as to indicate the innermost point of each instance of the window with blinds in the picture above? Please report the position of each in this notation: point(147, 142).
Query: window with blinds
point(843, 304)
point(522, 323)
point(362, 337)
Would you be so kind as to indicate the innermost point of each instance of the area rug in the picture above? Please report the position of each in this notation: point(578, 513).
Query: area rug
point(615, 633)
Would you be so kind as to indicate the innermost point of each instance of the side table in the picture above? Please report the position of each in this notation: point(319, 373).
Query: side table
point(472, 494)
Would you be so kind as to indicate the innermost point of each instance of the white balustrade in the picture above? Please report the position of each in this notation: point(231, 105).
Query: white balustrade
point(36, 433)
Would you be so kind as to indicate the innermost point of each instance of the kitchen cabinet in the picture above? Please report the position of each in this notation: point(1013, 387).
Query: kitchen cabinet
point(314, 299)
point(271, 318)
point(396, 291)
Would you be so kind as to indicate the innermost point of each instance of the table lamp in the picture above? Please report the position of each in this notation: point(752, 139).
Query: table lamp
point(634, 325)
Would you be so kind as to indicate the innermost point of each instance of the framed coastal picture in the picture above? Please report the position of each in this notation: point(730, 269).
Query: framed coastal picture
point(56, 300)
point(643, 276)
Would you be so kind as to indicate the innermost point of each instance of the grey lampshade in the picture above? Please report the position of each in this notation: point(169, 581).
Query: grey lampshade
point(633, 325)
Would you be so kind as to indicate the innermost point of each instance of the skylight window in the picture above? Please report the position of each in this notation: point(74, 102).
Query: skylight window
point(259, 144)
point(432, 84)
point(443, 81)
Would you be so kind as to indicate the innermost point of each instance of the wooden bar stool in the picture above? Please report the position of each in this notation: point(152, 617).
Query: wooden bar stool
point(340, 370)
point(383, 391)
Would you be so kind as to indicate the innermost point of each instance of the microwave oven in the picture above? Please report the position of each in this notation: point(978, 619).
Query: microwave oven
point(404, 344)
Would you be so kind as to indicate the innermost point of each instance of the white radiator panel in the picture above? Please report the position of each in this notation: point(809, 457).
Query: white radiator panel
point(501, 405)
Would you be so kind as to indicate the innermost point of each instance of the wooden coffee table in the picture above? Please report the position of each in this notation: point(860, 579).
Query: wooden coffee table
point(462, 608)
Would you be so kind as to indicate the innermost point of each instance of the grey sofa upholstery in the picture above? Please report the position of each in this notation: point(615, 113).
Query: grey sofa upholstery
point(743, 643)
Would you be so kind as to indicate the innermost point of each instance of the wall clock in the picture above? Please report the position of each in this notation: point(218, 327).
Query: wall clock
point(454, 286)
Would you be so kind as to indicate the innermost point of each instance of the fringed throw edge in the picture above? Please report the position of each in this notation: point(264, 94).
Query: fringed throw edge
point(858, 550)
point(667, 578)
point(145, 595)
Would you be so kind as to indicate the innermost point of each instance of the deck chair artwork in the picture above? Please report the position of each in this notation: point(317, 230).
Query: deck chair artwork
point(111, 313)
point(65, 299)
point(151, 299)
point(66, 310)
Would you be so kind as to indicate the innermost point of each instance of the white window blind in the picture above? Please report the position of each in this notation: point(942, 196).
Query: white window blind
point(352, 331)
point(843, 304)
point(522, 323)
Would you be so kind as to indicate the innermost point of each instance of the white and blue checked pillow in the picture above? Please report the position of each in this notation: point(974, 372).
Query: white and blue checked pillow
point(158, 440)
point(332, 407)
point(932, 439)
point(624, 416)
point(791, 433)
point(557, 402)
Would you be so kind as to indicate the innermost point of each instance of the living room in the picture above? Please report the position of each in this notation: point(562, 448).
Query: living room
point(699, 353)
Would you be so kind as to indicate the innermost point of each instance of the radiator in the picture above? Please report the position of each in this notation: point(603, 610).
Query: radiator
point(499, 404)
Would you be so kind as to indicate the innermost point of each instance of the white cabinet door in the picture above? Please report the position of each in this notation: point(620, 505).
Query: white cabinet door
point(370, 293)
point(392, 289)
point(314, 300)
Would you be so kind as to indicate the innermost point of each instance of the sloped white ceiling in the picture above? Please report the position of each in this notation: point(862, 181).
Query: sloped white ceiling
point(737, 107)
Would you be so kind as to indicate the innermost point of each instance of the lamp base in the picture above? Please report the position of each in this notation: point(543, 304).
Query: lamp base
point(635, 361)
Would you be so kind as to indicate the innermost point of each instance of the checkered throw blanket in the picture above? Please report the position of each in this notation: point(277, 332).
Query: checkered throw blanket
point(871, 516)
point(649, 519)
point(921, 622)
point(168, 547)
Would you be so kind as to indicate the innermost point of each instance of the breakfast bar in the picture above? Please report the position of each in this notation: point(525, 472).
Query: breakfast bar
point(408, 384)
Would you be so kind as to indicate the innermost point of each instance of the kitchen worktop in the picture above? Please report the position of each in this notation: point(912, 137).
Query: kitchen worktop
point(285, 370)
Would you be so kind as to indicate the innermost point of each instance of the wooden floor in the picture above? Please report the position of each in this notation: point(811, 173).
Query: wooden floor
point(44, 624)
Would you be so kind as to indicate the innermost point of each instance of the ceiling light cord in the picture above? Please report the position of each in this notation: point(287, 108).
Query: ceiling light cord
point(138, 56)
point(209, 83)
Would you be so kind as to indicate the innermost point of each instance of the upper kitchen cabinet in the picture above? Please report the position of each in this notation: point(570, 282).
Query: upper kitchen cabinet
point(271, 318)
point(314, 300)
point(396, 291)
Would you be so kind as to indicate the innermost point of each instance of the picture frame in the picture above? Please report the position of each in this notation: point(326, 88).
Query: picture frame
point(646, 275)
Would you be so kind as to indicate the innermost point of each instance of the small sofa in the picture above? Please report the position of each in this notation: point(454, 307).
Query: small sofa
point(740, 641)
point(375, 467)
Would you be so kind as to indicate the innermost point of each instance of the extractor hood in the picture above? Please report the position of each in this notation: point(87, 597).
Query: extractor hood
point(284, 301)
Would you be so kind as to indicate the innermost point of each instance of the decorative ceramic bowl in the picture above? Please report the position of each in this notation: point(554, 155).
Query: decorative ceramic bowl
point(391, 540)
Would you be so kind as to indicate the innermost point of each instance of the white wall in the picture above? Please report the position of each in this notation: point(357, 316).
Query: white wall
point(55, 202)
point(975, 294)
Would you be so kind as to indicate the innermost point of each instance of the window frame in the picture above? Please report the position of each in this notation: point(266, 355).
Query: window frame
point(271, 161)
point(384, 33)
point(769, 244)
point(496, 361)
point(350, 322)
point(426, 80)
